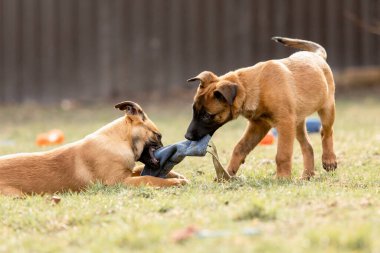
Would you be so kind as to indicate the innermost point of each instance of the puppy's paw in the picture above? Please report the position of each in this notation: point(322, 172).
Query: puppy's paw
point(329, 163)
point(184, 181)
point(330, 166)
point(231, 172)
point(173, 174)
point(307, 175)
point(178, 181)
point(283, 176)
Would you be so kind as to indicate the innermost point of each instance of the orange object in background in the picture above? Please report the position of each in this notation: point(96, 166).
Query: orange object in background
point(268, 139)
point(53, 137)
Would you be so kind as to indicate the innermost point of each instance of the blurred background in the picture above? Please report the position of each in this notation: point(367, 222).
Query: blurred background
point(104, 50)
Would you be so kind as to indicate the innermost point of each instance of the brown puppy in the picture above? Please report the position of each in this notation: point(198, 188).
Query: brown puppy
point(107, 155)
point(276, 93)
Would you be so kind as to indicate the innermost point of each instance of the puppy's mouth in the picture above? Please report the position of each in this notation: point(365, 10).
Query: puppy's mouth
point(147, 156)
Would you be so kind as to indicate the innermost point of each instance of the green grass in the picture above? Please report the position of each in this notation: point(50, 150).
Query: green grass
point(333, 212)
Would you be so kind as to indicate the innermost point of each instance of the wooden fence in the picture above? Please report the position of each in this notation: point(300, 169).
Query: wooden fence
point(103, 49)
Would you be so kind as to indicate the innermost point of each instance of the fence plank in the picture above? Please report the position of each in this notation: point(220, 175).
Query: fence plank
point(48, 51)
point(348, 33)
point(280, 26)
point(158, 45)
point(332, 30)
point(104, 47)
point(374, 16)
point(2, 49)
point(29, 75)
point(11, 52)
point(377, 36)
point(87, 54)
point(120, 43)
point(174, 71)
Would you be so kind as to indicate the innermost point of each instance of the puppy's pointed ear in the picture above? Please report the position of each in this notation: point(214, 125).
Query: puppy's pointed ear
point(204, 77)
point(226, 92)
point(130, 108)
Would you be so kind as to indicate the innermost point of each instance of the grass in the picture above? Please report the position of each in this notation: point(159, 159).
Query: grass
point(333, 212)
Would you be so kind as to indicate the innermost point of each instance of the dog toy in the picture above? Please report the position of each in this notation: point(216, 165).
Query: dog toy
point(268, 139)
point(313, 125)
point(53, 137)
point(171, 155)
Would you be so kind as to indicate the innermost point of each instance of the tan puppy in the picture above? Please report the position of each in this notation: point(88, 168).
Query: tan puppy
point(276, 93)
point(107, 155)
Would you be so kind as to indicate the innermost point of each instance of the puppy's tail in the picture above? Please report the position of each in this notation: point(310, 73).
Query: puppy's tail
point(303, 45)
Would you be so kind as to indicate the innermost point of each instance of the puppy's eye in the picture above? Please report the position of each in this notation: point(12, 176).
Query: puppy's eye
point(207, 116)
point(159, 137)
point(219, 96)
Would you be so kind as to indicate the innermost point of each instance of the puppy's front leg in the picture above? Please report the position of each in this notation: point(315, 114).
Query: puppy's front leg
point(255, 132)
point(173, 174)
point(137, 170)
point(286, 134)
point(154, 181)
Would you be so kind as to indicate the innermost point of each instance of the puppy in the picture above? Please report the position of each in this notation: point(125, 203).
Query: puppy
point(107, 155)
point(275, 93)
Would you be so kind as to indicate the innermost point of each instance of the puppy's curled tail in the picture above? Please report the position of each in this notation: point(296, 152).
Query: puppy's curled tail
point(303, 45)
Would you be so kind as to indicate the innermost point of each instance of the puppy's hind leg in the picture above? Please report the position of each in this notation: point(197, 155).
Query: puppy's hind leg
point(307, 150)
point(327, 115)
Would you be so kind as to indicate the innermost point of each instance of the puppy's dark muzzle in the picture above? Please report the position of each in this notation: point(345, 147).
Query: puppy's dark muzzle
point(190, 136)
point(192, 132)
point(197, 130)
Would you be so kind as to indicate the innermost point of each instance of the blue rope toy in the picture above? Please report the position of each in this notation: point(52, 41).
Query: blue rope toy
point(171, 155)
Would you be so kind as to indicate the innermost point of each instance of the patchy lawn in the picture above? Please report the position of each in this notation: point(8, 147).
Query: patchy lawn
point(333, 212)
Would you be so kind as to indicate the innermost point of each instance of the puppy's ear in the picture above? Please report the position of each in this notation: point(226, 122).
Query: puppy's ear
point(226, 92)
point(204, 77)
point(130, 108)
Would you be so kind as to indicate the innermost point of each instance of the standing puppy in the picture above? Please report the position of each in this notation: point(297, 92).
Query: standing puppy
point(107, 155)
point(276, 93)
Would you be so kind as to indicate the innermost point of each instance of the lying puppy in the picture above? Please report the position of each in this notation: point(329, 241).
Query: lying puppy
point(107, 156)
point(276, 93)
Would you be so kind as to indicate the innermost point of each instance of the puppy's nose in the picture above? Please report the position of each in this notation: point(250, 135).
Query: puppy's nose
point(189, 136)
